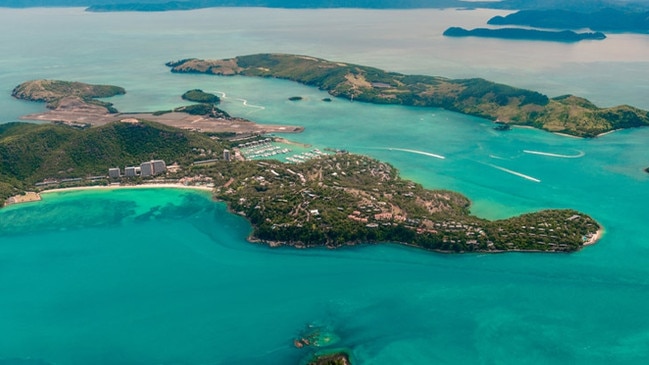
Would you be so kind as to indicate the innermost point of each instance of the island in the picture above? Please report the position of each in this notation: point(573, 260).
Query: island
point(65, 94)
point(566, 114)
point(606, 19)
point(333, 199)
point(524, 34)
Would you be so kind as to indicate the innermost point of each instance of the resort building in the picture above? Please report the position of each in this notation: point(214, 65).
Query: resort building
point(146, 169)
point(159, 167)
point(153, 167)
point(226, 155)
point(114, 173)
point(131, 171)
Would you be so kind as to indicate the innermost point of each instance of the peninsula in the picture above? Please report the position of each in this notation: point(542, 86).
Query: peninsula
point(330, 200)
point(567, 36)
point(477, 97)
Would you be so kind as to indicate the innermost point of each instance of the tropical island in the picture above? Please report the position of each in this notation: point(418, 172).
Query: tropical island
point(524, 34)
point(606, 19)
point(332, 200)
point(567, 114)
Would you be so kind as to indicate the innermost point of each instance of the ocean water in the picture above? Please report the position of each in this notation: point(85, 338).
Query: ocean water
point(167, 277)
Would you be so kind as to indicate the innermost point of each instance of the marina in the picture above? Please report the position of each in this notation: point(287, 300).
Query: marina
point(269, 148)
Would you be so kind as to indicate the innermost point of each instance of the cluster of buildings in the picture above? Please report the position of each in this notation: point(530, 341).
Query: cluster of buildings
point(148, 168)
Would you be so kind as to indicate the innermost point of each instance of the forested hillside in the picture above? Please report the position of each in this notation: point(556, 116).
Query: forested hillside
point(30, 153)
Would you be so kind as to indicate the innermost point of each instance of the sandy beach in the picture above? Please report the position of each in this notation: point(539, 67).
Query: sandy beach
point(595, 237)
point(34, 196)
point(29, 196)
point(141, 186)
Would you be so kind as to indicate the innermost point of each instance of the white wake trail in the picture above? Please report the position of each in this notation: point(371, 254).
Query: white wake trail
point(580, 154)
point(417, 152)
point(527, 177)
point(244, 102)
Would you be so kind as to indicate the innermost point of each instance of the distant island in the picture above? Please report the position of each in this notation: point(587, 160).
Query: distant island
point(525, 34)
point(57, 93)
point(607, 19)
point(166, 5)
point(478, 97)
point(74, 104)
point(290, 4)
point(332, 200)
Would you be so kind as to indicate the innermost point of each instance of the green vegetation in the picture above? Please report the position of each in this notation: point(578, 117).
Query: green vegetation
point(331, 359)
point(333, 200)
point(207, 104)
point(295, 98)
point(30, 153)
point(199, 96)
point(53, 92)
point(478, 97)
point(344, 199)
point(203, 109)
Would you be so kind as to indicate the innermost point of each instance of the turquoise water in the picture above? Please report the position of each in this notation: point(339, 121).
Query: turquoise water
point(166, 276)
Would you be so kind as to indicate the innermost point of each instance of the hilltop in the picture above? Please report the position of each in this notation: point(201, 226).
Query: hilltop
point(30, 153)
point(57, 94)
point(478, 97)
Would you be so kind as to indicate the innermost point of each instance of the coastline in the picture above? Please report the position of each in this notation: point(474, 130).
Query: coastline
point(28, 197)
point(300, 245)
point(568, 135)
point(32, 196)
point(596, 237)
point(140, 186)
point(609, 132)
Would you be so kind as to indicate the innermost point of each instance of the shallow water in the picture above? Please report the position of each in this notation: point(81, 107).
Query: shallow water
point(166, 276)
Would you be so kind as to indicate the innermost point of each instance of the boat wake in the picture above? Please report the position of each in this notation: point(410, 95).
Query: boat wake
point(244, 102)
point(527, 177)
point(580, 154)
point(417, 152)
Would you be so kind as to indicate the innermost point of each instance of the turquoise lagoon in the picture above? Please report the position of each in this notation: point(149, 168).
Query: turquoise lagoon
point(165, 276)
